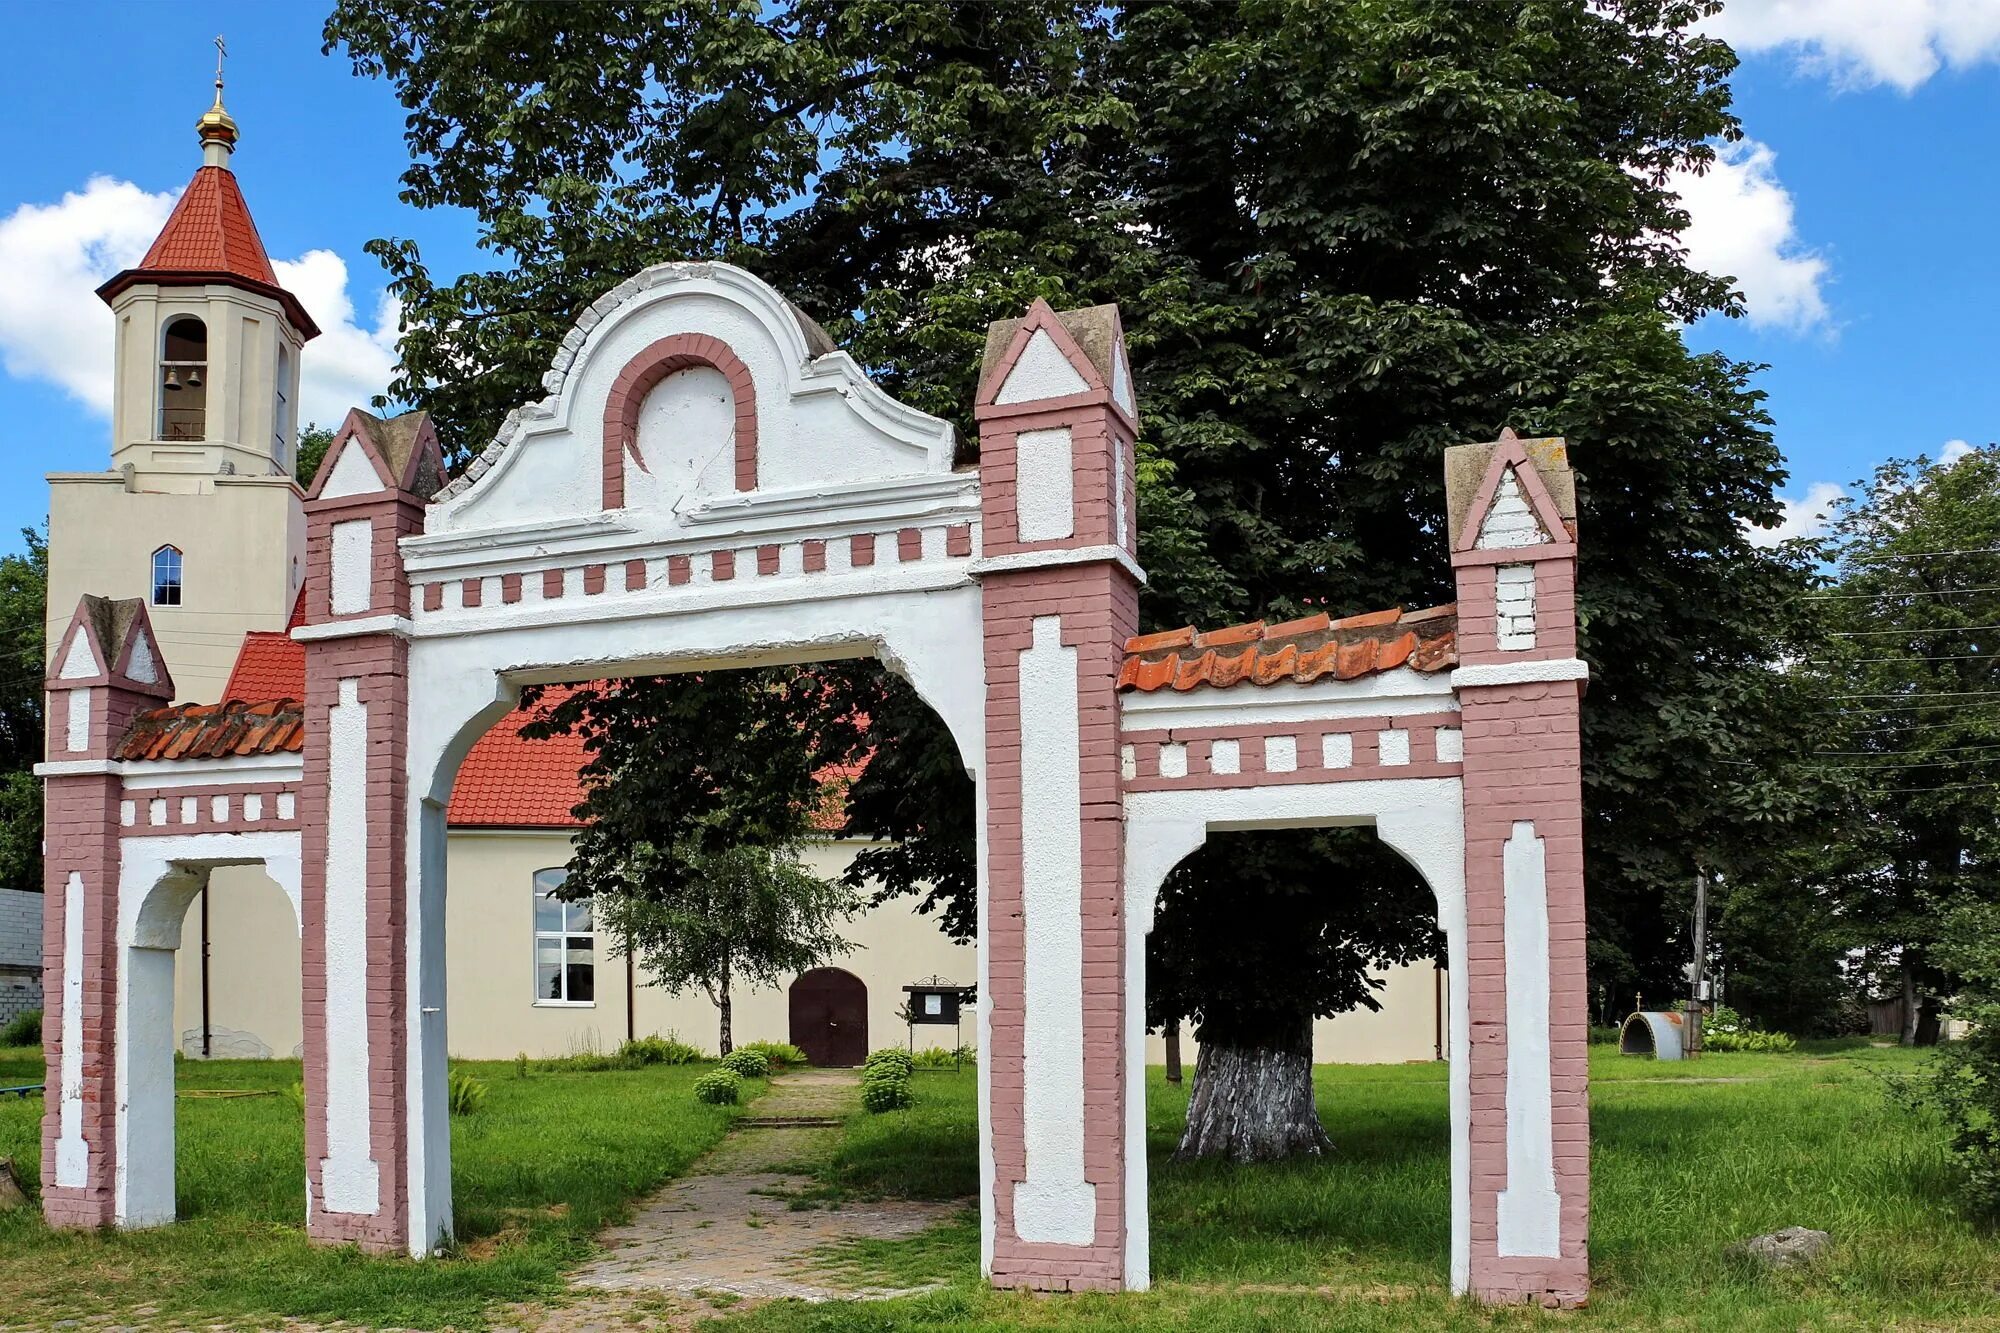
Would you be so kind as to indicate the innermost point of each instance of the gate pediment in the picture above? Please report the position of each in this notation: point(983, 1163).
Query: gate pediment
point(692, 397)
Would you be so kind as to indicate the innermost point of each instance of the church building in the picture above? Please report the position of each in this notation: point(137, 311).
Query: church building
point(201, 514)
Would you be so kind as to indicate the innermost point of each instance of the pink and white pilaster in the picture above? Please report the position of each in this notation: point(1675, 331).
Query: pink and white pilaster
point(1519, 685)
point(107, 670)
point(352, 805)
point(1060, 590)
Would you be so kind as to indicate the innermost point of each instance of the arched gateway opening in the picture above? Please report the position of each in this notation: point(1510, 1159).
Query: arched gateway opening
point(710, 484)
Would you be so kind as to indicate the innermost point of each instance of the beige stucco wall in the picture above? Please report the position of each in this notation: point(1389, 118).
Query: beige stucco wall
point(253, 960)
point(492, 1012)
point(242, 541)
point(245, 331)
point(1405, 1028)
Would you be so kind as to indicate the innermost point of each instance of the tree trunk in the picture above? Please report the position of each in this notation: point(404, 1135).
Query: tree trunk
point(1174, 1052)
point(1253, 1103)
point(1910, 1005)
point(722, 1002)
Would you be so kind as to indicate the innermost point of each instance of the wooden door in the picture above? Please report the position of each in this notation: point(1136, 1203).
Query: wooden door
point(830, 1017)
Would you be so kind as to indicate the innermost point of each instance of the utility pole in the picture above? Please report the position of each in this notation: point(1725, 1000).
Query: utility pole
point(1698, 984)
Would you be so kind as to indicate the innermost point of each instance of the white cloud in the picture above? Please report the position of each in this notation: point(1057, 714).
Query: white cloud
point(1953, 451)
point(1805, 517)
point(52, 258)
point(53, 328)
point(1858, 44)
point(348, 363)
point(1741, 224)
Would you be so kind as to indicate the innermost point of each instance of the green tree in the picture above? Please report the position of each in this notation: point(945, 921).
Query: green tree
point(1908, 700)
point(752, 916)
point(698, 793)
point(1343, 236)
point(314, 441)
point(24, 595)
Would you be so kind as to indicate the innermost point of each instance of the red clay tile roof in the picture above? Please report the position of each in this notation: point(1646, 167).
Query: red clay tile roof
point(216, 731)
point(210, 237)
point(268, 666)
point(210, 231)
point(508, 781)
point(1298, 650)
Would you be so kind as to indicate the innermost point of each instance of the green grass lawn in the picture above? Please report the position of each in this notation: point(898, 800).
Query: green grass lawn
point(545, 1163)
point(1682, 1166)
point(1687, 1158)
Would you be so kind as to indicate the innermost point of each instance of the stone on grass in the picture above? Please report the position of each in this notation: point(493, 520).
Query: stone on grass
point(12, 1196)
point(1786, 1248)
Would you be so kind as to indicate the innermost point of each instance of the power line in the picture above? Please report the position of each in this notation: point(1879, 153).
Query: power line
point(1908, 633)
point(1950, 749)
point(1949, 786)
point(1883, 768)
point(1920, 555)
point(1910, 708)
point(1890, 596)
point(1935, 694)
point(1885, 661)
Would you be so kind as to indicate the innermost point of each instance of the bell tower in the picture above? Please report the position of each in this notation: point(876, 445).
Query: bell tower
point(197, 515)
point(207, 341)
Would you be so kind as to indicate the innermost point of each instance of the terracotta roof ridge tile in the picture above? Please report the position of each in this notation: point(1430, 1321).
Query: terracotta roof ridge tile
point(1304, 649)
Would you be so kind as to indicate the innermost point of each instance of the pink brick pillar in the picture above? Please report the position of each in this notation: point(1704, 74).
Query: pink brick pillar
point(1061, 597)
point(1519, 687)
point(107, 668)
point(353, 815)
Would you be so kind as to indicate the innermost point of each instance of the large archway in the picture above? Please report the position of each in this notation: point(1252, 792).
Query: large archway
point(710, 484)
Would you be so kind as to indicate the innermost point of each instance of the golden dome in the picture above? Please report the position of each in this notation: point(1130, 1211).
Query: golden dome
point(216, 125)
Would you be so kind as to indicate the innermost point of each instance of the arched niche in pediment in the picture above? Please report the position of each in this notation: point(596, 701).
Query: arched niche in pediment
point(687, 387)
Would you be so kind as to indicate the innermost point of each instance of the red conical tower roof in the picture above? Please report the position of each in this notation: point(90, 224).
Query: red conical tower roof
point(210, 237)
point(211, 232)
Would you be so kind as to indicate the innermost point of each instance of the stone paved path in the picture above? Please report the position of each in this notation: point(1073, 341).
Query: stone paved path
point(727, 1227)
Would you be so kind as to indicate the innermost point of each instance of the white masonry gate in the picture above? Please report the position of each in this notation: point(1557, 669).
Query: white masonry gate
point(710, 483)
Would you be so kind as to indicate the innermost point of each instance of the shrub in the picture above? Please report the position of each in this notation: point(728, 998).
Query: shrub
point(467, 1094)
point(1961, 1081)
point(748, 1063)
point(939, 1057)
point(521, 1065)
point(719, 1087)
point(782, 1054)
point(1727, 1030)
point(891, 1056)
point(25, 1030)
point(657, 1050)
point(885, 1080)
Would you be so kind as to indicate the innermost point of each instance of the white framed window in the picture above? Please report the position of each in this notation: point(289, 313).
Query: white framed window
point(565, 944)
point(167, 576)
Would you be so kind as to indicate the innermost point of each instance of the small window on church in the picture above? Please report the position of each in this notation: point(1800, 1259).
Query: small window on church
point(184, 380)
point(166, 577)
point(281, 412)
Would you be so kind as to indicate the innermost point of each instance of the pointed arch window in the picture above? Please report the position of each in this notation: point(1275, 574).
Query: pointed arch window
point(184, 380)
point(281, 412)
point(167, 576)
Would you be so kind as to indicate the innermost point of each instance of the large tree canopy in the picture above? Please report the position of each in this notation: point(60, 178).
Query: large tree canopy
point(24, 593)
point(1905, 695)
point(1343, 237)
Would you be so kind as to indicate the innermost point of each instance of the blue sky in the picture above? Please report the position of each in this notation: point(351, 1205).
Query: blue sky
point(1860, 217)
